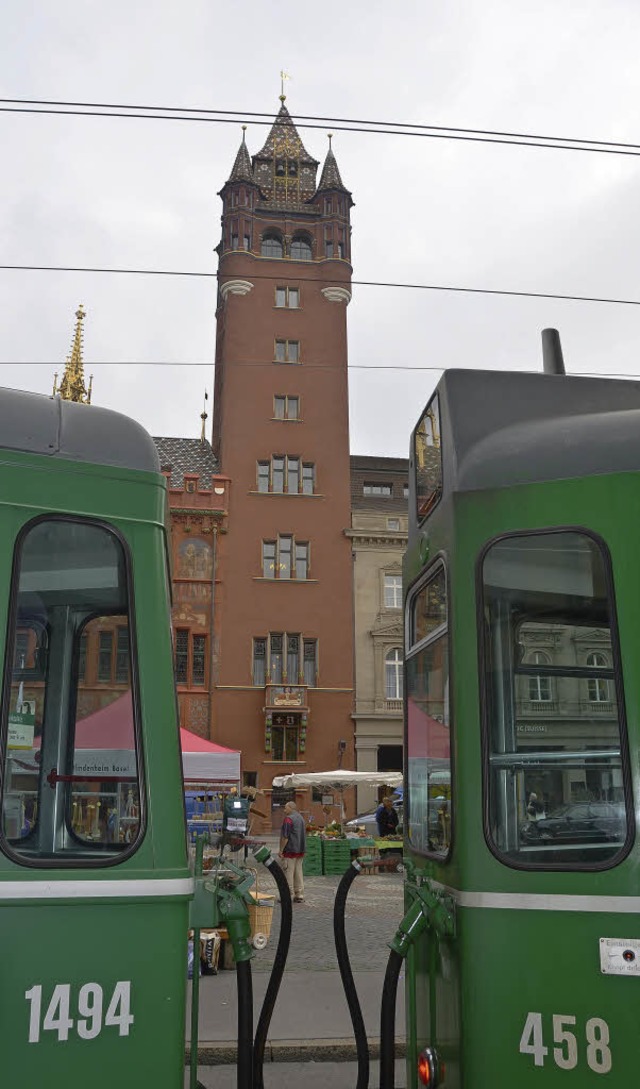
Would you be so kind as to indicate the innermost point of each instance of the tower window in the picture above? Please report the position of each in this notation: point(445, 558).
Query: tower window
point(286, 408)
point(328, 249)
point(285, 558)
point(281, 476)
point(271, 246)
point(287, 351)
point(301, 249)
point(247, 241)
point(288, 297)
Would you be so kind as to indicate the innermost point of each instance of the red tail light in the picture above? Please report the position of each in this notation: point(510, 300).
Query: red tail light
point(430, 1068)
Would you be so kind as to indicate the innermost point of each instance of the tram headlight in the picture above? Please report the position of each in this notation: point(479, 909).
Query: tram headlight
point(430, 1068)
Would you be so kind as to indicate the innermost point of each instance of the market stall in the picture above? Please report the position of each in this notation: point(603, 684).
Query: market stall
point(210, 772)
point(329, 850)
point(339, 780)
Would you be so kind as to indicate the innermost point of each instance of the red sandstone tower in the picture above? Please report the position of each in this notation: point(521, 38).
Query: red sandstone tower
point(283, 675)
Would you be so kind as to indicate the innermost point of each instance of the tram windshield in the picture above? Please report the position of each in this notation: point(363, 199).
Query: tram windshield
point(70, 787)
point(553, 707)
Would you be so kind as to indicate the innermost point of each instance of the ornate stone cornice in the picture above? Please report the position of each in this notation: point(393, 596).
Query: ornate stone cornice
point(235, 287)
point(337, 294)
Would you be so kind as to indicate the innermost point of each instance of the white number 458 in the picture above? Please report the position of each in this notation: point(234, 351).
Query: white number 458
point(598, 1053)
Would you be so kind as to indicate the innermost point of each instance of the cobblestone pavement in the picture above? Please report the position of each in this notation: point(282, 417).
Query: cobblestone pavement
point(374, 909)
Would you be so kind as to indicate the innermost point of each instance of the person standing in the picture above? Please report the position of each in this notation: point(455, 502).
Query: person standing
point(292, 849)
point(386, 818)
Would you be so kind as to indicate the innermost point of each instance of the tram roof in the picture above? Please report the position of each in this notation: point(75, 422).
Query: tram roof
point(502, 428)
point(37, 424)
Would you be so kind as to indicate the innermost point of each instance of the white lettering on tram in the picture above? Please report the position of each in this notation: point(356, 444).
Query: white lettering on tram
point(567, 1055)
point(90, 1022)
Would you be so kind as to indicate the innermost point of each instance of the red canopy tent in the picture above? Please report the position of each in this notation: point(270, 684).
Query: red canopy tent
point(106, 738)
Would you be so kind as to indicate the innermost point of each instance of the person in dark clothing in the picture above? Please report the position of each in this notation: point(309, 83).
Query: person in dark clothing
point(386, 818)
point(292, 850)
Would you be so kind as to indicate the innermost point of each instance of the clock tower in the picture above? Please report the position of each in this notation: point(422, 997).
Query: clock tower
point(283, 656)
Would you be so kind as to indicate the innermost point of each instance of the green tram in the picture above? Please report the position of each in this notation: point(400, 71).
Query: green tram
point(523, 732)
point(94, 880)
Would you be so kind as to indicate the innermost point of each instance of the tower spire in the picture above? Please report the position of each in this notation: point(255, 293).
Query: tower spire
point(72, 386)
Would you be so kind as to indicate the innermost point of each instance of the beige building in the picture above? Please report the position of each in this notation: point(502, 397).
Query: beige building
point(379, 496)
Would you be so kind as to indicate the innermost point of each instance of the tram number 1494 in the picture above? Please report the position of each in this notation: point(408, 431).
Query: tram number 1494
point(566, 1054)
point(89, 1005)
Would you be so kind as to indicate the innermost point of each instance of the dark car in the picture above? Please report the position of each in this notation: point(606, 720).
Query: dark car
point(584, 822)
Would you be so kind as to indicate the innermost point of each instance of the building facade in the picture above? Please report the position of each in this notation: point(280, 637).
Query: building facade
point(379, 498)
point(283, 684)
point(198, 502)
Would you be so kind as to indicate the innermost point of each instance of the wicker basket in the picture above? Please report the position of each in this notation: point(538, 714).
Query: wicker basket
point(261, 915)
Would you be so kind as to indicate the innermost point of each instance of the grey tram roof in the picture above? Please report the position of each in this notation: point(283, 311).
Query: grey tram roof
point(37, 424)
point(500, 429)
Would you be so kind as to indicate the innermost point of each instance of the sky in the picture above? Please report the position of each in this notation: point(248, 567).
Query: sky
point(123, 193)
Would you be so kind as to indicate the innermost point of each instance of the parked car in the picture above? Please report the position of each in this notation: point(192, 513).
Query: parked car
point(584, 822)
point(368, 820)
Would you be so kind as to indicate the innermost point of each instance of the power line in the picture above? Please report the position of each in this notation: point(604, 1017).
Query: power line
point(384, 367)
point(434, 132)
point(331, 281)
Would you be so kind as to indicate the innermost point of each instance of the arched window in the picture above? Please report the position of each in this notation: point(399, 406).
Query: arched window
point(393, 674)
point(539, 687)
point(271, 246)
point(301, 248)
point(598, 686)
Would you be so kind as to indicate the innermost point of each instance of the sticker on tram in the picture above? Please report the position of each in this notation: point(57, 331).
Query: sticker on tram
point(90, 1003)
point(567, 1056)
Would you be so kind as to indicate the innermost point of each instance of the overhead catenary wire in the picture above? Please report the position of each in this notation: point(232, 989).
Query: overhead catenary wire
point(383, 367)
point(611, 300)
point(310, 121)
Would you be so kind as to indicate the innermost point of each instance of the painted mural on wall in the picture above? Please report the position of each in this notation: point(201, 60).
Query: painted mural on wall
point(194, 559)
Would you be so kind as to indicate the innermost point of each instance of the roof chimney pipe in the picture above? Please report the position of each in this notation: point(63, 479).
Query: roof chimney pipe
point(552, 361)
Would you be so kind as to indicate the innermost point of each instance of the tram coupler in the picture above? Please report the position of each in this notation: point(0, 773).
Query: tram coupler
point(235, 916)
point(429, 910)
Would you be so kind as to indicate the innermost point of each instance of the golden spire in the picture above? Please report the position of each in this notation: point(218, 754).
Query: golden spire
point(72, 387)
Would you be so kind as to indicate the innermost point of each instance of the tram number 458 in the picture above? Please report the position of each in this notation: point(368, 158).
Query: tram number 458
point(565, 1055)
point(90, 1004)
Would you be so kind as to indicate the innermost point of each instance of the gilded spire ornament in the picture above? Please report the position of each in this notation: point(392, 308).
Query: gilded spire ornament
point(72, 386)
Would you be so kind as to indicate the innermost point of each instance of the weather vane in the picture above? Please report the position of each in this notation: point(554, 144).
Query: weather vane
point(283, 76)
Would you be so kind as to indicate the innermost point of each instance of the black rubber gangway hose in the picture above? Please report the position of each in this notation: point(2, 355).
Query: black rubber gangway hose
point(388, 1021)
point(245, 1025)
point(277, 972)
point(344, 964)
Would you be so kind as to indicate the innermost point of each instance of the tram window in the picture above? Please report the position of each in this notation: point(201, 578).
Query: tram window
point(556, 754)
point(428, 804)
point(427, 458)
point(70, 786)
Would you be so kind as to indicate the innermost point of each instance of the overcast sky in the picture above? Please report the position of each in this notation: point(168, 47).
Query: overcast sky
point(107, 192)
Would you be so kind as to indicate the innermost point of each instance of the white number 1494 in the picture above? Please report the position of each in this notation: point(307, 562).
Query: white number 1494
point(89, 1023)
point(565, 1055)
